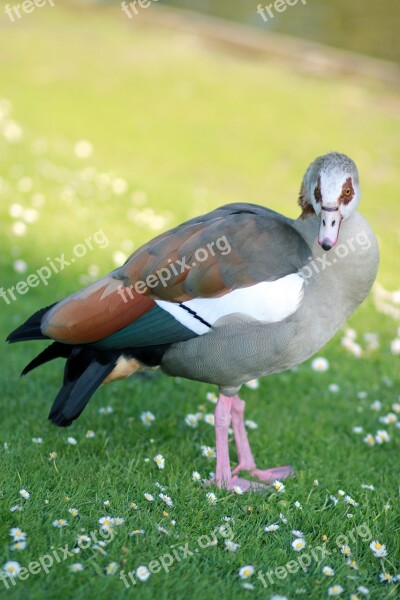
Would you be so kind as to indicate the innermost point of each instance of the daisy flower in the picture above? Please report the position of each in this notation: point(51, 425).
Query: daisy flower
point(279, 487)
point(237, 490)
point(25, 494)
point(271, 528)
point(135, 532)
point(231, 546)
point(378, 549)
point(72, 441)
point(166, 499)
point(349, 500)
point(208, 451)
point(298, 544)
point(212, 498)
point(143, 573)
point(352, 564)
point(17, 534)
point(12, 568)
point(297, 533)
point(246, 571)
point(333, 387)
point(386, 578)
point(148, 497)
point(358, 429)
point(191, 420)
point(162, 530)
point(73, 511)
point(382, 436)
point(160, 461)
point(388, 419)
point(52, 455)
point(19, 545)
point(76, 567)
point(106, 503)
point(106, 522)
point(320, 364)
point(196, 476)
point(211, 397)
point(367, 487)
point(89, 434)
point(209, 418)
point(336, 590)
point(16, 507)
point(106, 410)
point(283, 518)
point(298, 505)
point(119, 521)
point(111, 568)
point(369, 439)
point(334, 499)
point(60, 523)
point(147, 418)
point(248, 586)
point(363, 590)
point(83, 539)
point(250, 424)
point(377, 405)
point(38, 440)
point(253, 384)
point(328, 571)
point(345, 550)
point(133, 506)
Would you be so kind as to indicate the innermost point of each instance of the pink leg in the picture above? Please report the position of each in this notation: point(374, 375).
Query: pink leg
point(223, 475)
point(222, 416)
point(246, 459)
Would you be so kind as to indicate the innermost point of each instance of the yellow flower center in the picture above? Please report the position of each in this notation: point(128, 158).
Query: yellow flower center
point(299, 544)
point(378, 546)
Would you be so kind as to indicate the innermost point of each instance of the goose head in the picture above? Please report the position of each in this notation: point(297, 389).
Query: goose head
point(331, 190)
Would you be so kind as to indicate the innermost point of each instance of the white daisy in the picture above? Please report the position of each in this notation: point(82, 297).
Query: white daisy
point(367, 487)
point(25, 494)
point(237, 490)
point(136, 532)
point(231, 546)
point(246, 571)
point(388, 419)
point(298, 544)
point(148, 497)
point(358, 429)
point(196, 476)
point(386, 578)
point(208, 451)
point(191, 420)
point(160, 461)
point(76, 567)
point(297, 533)
point(209, 418)
point(73, 511)
point(382, 436)
point(320, 364)
point(89, 434)
point(298, 505)
point(166, 499)
point(328, 571)
point(212, 498)
point(336, 590)
point(72, 441)
point(106, 522)
point(17, 534)
point(349, 500)
point(60, 523)
point(119, 521)
point(278, 485)
point(377, 405)
point(253, 384)
point(378, 549)
point(333, 387)
point(369, 439)
point(19, 545)
point(271, 528)
point(12, 568)
point(143, 573)
point(363, 590)
point(111, 568)
point(37, 440)
point(250, 424)
point(211, 397)
point(283, 518)
point(345, 550)
point(147, 418)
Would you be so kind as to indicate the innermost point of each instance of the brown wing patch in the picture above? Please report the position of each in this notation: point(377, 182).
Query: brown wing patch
point(94, 313)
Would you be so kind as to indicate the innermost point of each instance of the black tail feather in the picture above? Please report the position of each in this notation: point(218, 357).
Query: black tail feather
point(85, 371)
point(55, 350)
point(30, 330)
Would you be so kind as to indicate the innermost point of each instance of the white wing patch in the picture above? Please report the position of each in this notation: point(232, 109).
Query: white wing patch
point(268, 302)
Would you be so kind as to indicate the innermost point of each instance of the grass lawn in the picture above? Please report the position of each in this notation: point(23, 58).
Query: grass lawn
point(178, 129)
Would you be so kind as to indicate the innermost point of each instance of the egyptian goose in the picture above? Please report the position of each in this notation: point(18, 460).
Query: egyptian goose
point(230, 296)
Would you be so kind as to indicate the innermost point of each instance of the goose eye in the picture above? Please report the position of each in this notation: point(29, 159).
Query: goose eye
point(317, 194)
